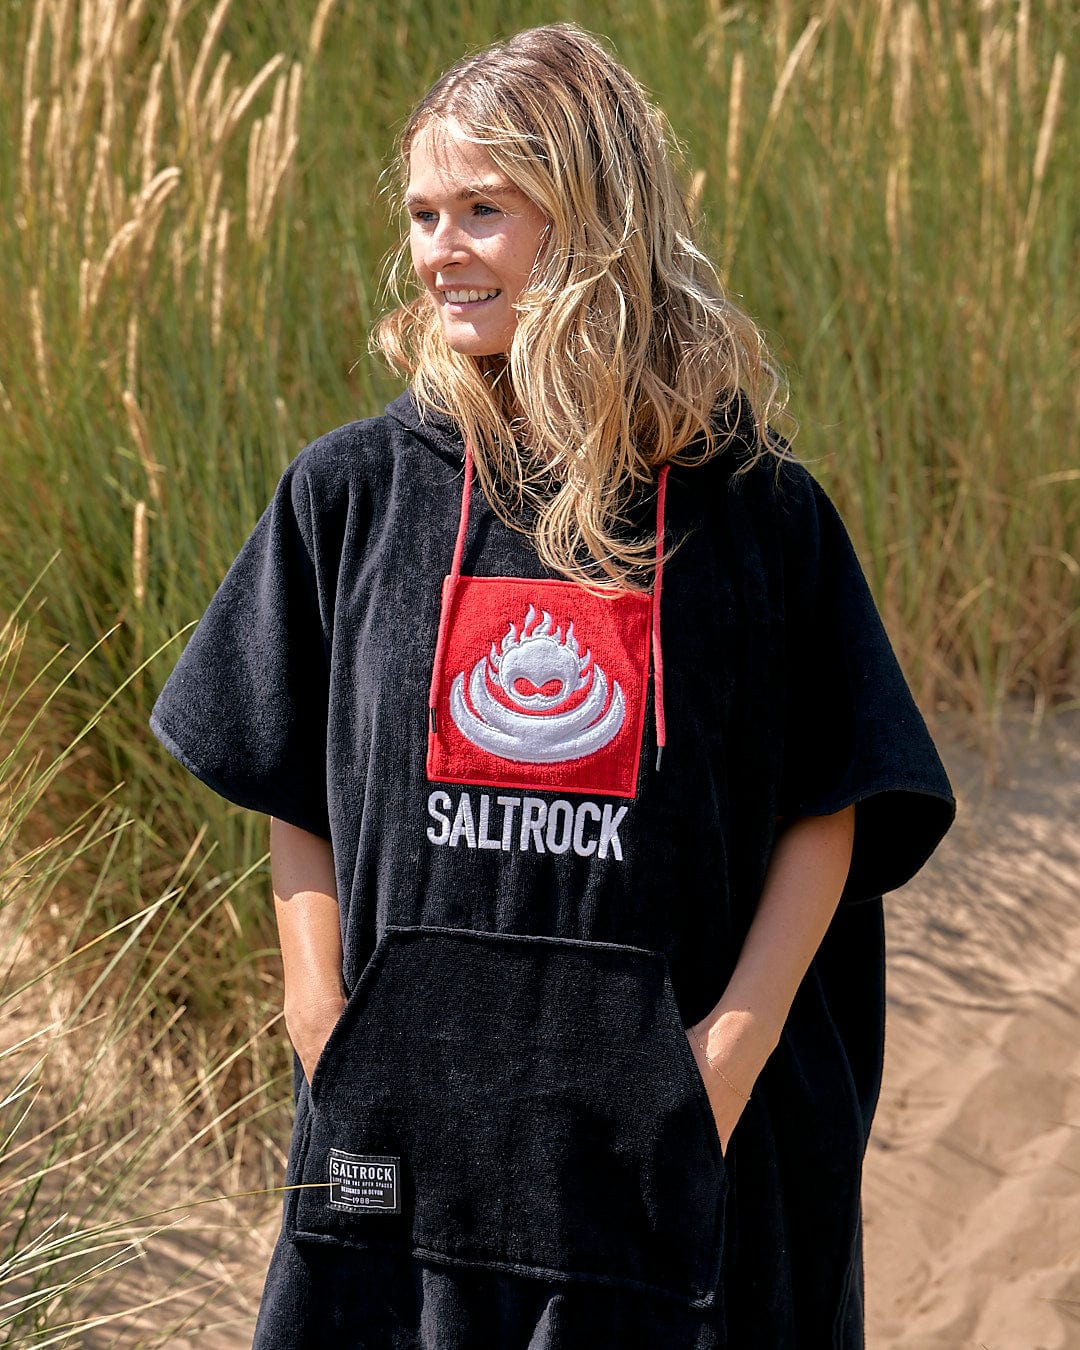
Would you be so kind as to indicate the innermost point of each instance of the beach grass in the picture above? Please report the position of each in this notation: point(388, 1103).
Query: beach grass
point(191, 247)
point(125, 1127)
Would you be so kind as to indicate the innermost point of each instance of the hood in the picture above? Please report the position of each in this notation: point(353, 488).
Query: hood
point(432, 426)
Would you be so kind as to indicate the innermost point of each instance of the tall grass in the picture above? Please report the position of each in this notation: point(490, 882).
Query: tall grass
point(192, 239)
point(114, 1144)
point(190, 247)
point(145, 411)
point(920, 256)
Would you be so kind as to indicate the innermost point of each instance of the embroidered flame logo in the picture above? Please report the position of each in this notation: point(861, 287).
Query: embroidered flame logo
point(535, 698)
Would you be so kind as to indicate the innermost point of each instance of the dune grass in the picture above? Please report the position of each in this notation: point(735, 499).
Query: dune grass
point(190, 252)
point(122, 1122)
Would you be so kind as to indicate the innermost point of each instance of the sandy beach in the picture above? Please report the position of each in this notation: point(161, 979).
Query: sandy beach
point(972, 1188)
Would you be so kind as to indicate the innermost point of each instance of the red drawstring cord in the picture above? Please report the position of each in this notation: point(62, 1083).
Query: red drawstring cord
point(451, 583)
point(658, 654)
point(455, 573)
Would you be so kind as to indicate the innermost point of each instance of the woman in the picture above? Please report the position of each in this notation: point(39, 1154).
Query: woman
point(578, 891)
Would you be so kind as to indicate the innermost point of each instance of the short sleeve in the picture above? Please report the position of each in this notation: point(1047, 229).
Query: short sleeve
point(245, 708)
point(853, 733)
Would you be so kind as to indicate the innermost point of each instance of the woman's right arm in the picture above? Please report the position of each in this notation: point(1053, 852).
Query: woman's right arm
point(306, 906)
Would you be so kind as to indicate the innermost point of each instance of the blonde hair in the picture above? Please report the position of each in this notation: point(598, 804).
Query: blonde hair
point(626, 350)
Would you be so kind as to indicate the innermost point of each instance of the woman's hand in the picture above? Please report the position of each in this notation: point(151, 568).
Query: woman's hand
point(309, 1024)
point(737, 1051)
point(803, 884)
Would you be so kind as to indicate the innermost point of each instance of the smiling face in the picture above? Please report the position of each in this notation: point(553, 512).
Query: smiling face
point(474, 239)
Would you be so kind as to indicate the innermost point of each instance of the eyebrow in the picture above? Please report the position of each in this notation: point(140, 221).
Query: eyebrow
point(467, 193)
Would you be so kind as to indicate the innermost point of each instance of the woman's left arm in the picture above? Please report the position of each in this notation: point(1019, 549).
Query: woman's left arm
point(803, 883)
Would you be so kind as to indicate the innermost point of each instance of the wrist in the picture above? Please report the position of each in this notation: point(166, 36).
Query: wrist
point(755, 1028)
point(737, 1042)
point(712, 1067)
point(313, 1010)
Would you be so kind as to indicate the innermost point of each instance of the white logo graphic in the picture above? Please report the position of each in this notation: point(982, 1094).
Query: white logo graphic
point(536, 699)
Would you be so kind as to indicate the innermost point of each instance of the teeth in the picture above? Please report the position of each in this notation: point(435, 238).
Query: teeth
point(467, 297)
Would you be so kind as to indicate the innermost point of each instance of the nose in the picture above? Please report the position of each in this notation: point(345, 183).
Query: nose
point(446, 244)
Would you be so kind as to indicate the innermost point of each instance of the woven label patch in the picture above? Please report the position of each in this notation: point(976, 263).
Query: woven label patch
point(361, 1182)
point(542, 686)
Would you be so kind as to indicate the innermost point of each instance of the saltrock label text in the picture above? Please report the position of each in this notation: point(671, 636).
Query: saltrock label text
point(529, 824)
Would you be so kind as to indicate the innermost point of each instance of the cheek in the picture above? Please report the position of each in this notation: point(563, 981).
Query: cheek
point(416, 254)
point(527, 248)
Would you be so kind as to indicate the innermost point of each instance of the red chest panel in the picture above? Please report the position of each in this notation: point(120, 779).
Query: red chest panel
point(542, 685)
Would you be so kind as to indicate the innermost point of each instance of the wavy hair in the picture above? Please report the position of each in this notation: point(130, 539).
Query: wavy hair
point(626, 350)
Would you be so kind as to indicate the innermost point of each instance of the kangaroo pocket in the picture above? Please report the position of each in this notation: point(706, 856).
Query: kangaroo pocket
point(517, 1102)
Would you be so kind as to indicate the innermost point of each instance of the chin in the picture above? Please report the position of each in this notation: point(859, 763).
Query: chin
point(476, 346)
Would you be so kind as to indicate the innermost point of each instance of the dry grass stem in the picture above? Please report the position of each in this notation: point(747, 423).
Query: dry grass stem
point(95, 35)
point(54, 157)
point(880, 43)
point(800, 53)
point(937, 57)
point(988, 41)
point(318, 25)
point(131, 352)
point(129, 30)
point(967, 77)
point(1023, 53)
point(1051, 112)
point(91, 46)
point(26, 147)
point(292, 102)
point(139, 554)
point(148, 122)
point(173, 14)
point(86, 273)
point(734, 135)
point(207, 230)
point(62, 16)
point(254, 157)
point(782, 19)
point(141, 436)
point(33, 49)
point(270, 151)
point(210, 113)
point(37, 336)
point(178, 94)
point(144, 222)
point(217, 298)
point(892, 211)
point(693, 193)
point(93, 190)
point(898, 188)
point(239, 102)
point(210, 36)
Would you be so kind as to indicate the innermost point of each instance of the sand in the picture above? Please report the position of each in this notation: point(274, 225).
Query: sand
point(972, 1189)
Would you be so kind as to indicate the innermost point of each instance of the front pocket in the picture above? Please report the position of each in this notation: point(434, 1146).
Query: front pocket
point(518, 1102)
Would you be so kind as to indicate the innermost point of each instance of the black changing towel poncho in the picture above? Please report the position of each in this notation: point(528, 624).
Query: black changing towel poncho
point(506, 1142)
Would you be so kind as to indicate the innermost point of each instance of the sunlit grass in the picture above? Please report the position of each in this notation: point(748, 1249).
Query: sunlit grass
point(119, 1127)
point(190, 248)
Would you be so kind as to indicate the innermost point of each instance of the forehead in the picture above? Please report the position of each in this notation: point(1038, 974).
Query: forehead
point(442, 158)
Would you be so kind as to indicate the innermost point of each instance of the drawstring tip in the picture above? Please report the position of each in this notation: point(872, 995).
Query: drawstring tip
point(659, 752)
point(434, 728)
